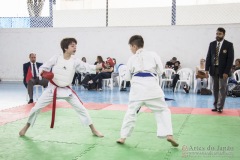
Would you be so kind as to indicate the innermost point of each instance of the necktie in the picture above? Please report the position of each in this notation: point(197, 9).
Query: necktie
point(217, 52)
point(34, 71)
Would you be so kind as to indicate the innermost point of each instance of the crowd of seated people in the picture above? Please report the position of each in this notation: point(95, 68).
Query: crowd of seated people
point(173, 64)
point(106, 72)
point(110, 70)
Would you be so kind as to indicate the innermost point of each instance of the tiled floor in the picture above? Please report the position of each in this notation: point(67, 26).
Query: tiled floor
point(14, 93)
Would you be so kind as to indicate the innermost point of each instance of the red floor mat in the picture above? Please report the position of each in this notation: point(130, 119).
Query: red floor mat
point(20, 112)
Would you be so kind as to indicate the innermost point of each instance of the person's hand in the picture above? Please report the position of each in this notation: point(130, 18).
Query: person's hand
point(40, 77)
point(225, 76)
point(98, 66)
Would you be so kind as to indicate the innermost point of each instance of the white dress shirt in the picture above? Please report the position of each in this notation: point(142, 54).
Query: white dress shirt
point(220, 46)
point(37, 73)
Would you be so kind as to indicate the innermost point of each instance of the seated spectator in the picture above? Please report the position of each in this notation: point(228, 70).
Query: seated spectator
point(177, 66)
point(235, 67)
point(170, 64)
point(32, 76)
point(77, 75)
point(173, 64)
point(99, 61)
point(115, 73)
point(104, 74)
point(201, 76)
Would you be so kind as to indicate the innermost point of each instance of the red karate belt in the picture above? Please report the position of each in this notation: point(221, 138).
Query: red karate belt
point(55, 100)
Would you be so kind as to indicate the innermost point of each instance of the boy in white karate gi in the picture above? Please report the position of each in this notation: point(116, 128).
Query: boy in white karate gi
point(63, 67)
point(143, 69)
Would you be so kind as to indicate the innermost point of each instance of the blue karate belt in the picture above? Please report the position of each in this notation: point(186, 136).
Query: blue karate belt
point(142, 74)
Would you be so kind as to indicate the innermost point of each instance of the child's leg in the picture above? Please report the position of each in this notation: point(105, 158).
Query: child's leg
point(45, 99)
point(83, 114)
point(129, 120)
point(163, 118)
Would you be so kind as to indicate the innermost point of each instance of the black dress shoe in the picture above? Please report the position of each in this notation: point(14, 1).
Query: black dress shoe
point(215, 110)
point(219, 110)
point(198, 92)
point(186, 89)
point(30, 101)
point(123, 89)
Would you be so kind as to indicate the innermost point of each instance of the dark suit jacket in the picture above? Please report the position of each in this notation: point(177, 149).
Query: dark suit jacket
point(226, 57)
point(25, 70)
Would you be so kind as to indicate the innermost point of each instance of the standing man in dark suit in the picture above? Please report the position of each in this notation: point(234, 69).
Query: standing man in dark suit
point(31, 75)
point(218, 63)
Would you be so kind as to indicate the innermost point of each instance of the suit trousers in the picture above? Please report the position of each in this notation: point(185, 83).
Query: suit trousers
point(219, 90)
point(32, 82)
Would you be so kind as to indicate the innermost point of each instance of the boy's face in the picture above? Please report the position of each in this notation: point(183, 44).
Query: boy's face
point(71, 48)
point(133, 48)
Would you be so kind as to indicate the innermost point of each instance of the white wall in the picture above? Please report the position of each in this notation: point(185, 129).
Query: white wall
point(154, 16)
point(187, 43)
point(208, 14)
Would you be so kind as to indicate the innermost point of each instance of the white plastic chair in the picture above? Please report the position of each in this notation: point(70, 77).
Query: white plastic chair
point(168, 72)
point(122, 71)
point(185, 76)
point(237, 74)
point(36, 88)
point(108, 82)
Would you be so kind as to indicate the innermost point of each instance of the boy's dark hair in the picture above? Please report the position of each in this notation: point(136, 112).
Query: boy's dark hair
point(66, 42)
point(136, 40)
point(220, 29)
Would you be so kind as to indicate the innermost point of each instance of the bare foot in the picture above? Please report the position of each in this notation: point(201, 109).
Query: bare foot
point(121, 140)
point(98, 134)
point(172, 141)
point(24, 130)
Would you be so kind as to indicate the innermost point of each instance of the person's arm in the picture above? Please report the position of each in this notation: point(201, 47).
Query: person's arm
point(128, 73)
point(208, 60)
point(85, 67)
point(24, 75)
point(159, 64)
point(108, 70)
point(197, 70)
point(230, 59)
point(47, 66)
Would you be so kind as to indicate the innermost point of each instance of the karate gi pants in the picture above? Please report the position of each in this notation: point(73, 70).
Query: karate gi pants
point(162, 115)
point(47, 97)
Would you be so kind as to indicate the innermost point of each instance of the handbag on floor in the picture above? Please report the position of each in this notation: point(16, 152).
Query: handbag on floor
point(205, 91)
point(236, 91)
